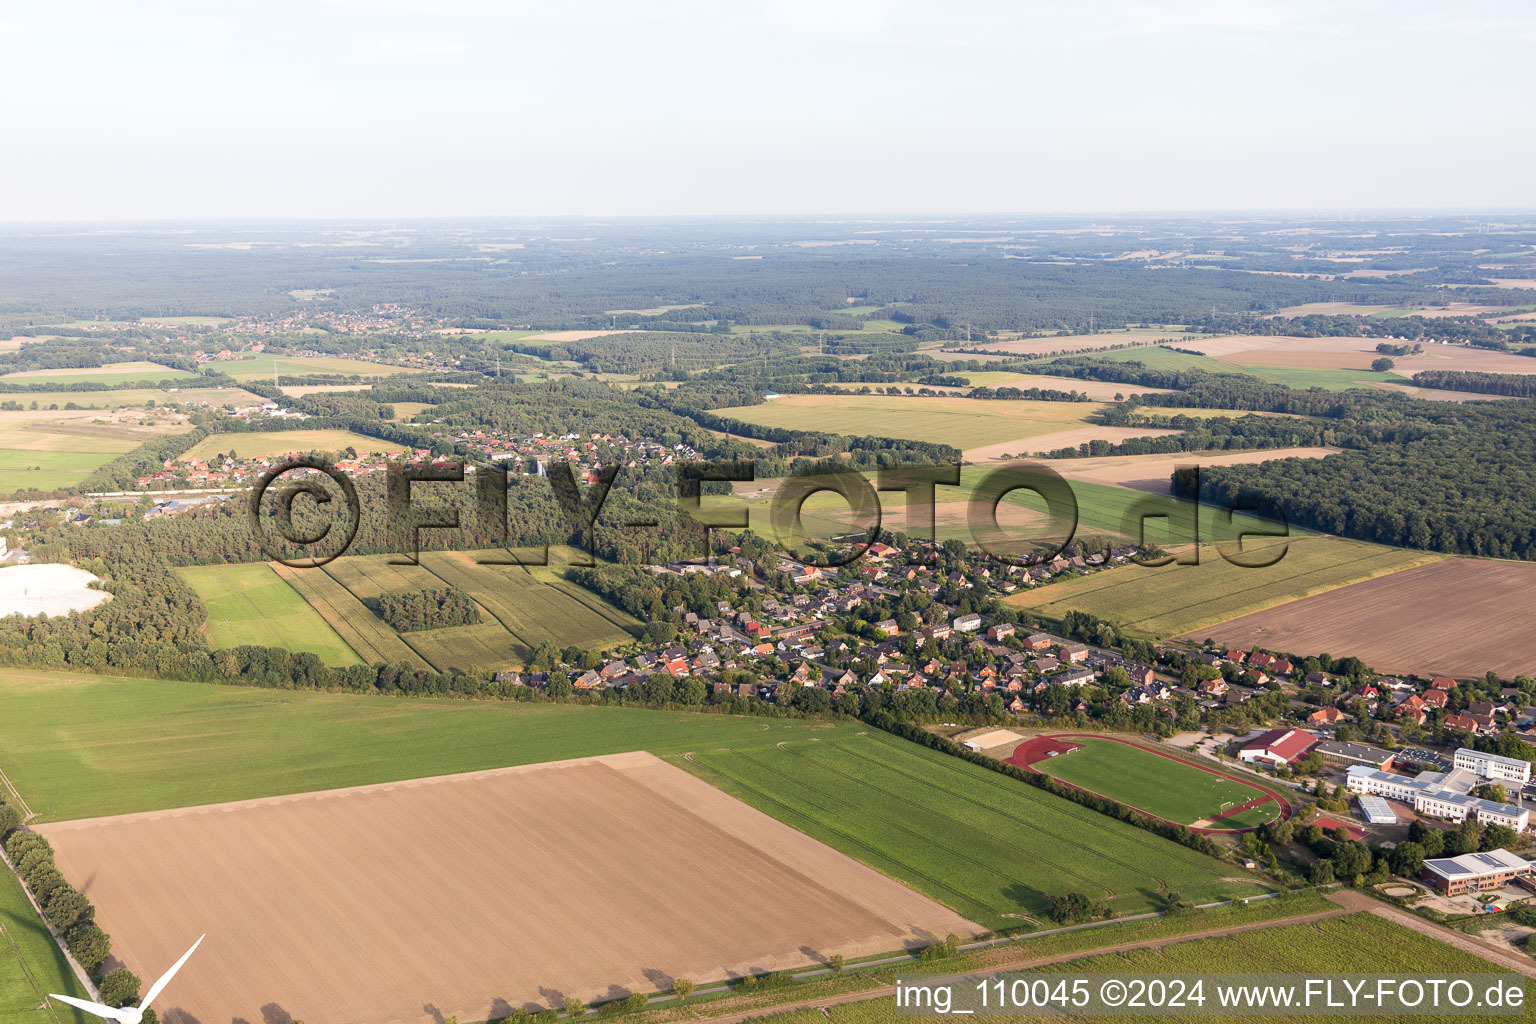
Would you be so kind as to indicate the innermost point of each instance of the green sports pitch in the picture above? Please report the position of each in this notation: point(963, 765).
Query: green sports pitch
point(1163, 786)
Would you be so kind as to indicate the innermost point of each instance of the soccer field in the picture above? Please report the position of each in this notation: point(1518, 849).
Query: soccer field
point(1150, 782)
point(250, 604)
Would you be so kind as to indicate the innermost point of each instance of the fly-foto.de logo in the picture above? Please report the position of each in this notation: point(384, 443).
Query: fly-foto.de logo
point(307, 512)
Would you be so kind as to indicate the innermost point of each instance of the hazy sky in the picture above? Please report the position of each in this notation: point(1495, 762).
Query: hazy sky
point(403, 108)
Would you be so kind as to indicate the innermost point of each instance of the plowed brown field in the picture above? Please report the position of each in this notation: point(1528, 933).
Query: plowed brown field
point(473, 894)
point(1456, 617)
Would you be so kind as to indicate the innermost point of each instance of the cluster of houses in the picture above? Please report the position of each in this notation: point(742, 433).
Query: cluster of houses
point(533, 453)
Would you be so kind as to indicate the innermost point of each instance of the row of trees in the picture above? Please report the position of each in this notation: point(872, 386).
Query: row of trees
point(68, 910)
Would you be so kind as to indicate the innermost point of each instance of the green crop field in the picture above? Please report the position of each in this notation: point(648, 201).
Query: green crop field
point(1174, 599)
point(82, 745)
point(250, 604)
point(251, 444)
point(31, 965)
point(22, 469)
point(990, 847)
point(261, 367)
point(1317, 377)
point(1158, 785)
point(359, 628)
point(520, 609)
point(1364, 943)
point(960, 422)
point(112, 373)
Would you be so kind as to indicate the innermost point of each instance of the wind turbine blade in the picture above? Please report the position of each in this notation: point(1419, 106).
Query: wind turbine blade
point(109, 1012)
point(159, 986)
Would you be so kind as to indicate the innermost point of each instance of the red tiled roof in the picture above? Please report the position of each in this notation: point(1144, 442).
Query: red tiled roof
point(1284, 744)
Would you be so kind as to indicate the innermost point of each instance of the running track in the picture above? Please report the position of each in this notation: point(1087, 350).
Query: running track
point(1037, 749)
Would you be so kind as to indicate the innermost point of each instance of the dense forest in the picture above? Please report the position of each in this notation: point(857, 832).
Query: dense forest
point(429, 608)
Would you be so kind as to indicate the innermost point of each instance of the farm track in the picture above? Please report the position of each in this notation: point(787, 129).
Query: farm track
point(1358, 901)
point(1027, 962)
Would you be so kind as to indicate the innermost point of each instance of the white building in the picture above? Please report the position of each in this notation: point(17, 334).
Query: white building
point(1439, 795)
point(1493, 766)
point(1376, 810)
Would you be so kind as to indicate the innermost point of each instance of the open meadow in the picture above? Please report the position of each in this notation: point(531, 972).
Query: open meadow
point(118, 398)
point(31, 964)
point(1151, 781)
point(1362, 942)
point(48, 448)
point(80, 746)
point(250, 604)
point(1454, 616)
point(604, 897)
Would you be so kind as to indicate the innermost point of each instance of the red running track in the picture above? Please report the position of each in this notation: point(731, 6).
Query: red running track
point(1031, 752)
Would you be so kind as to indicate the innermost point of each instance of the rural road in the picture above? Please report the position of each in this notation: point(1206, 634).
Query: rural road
point(1026, 962)
point(1349, 902)
point(1504, 958)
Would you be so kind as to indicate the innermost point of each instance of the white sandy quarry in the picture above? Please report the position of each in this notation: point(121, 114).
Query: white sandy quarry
point(48, 588)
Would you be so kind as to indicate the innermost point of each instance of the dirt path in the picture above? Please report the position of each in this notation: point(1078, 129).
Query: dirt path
point(1357, 901)
point(1027, 962)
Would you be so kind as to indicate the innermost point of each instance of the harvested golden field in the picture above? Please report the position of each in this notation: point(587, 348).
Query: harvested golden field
point(1152, 472)
point(960, 422)
point(1071, 343)
point(272, 443)
point(571, 335)
point(1457, 617)
point(1030, 445)
point(1102, 390)
point(474, 894)
point(300, 390)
